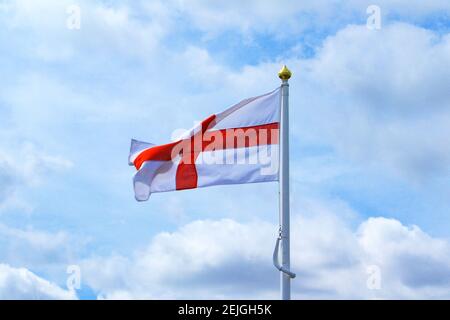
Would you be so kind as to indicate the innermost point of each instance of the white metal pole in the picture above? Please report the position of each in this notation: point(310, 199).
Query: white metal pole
point(284, 75)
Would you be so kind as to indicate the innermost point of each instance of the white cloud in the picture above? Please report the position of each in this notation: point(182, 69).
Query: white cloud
point(46, 253)
point(181, 259)
point(36, 248)
point(105, 29)
point(391, 64)
point(24, 166)
point(37, 240)
point(20, 283)
point(139, 29)
point(288, 18)
point(414, 264)
point(379, 98)
point(227, 259)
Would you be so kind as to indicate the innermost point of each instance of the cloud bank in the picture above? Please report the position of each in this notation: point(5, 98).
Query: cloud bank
point(227, 259)
point(20, 283)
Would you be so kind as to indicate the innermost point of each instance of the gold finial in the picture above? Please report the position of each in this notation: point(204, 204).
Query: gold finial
point(285, 73)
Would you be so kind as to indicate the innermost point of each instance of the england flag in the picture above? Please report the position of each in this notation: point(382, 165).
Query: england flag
point(239, 145)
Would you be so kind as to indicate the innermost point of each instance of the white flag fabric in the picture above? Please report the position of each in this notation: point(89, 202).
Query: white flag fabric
point(238, 145)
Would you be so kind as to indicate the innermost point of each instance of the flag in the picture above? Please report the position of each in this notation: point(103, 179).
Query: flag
point(239, 145)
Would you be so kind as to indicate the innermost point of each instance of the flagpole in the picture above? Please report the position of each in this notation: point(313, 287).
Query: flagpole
point(285, 280)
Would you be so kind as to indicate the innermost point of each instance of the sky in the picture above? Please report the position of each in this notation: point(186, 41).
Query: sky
point(370, 162)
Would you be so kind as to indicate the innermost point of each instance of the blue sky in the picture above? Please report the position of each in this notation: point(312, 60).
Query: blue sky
point(370, 119)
